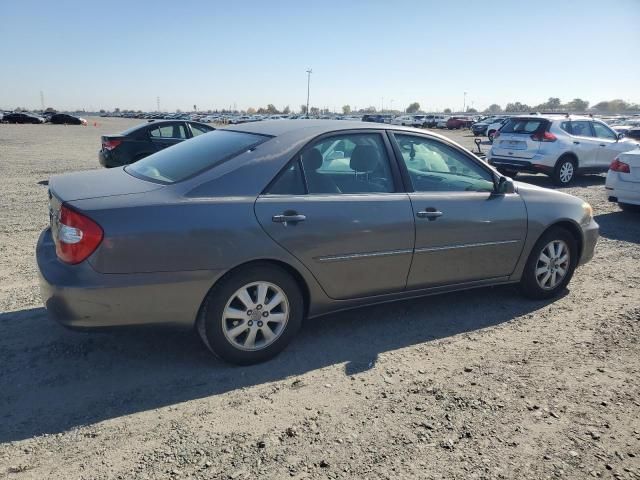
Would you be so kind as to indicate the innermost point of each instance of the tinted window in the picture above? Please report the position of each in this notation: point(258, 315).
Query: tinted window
point(581, 128)
point(566, 126)
point(436, 167)
point(602, 131)
point(353, 163)
point(289, 182)
point(199, 129)
point(524, 125)
point(173, 130)
point(189, 158)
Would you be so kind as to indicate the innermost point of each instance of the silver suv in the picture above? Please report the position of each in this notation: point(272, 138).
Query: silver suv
point(560, 146)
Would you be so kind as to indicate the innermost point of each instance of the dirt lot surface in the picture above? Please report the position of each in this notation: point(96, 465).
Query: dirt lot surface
point(479, 384)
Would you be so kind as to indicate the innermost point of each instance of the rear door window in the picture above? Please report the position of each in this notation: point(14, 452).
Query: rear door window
point(173, 130)
point(581, 128)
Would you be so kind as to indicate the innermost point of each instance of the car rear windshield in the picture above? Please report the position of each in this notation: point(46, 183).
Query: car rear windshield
point(524, 125)
point(193, 156)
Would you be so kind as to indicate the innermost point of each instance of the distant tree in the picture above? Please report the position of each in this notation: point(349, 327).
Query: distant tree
point(517, 107)
point(272, 110)
point(315, 111)
point(370, 109)
point(472, 110)
point(346, 109)
point(303, 109)
point(494, 108)
point(554, 103)
point(101, 111)
point(116, 110)
point(413, 107)
point(577, 105)
point(52, 110)
point(286, 110)
point(447, 110)
point(178, 110)
point(251, 111)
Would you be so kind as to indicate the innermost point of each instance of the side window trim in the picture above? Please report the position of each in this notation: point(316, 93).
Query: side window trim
point(408, 184)
point(281, 173)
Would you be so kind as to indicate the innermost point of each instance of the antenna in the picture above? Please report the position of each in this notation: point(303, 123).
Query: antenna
point(42, 99)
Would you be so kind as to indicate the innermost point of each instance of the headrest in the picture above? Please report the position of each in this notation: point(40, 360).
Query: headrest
point(364, 158)
point(312, 159)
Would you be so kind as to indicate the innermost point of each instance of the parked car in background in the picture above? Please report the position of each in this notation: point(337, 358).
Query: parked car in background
point(66, 119)
point(480, 128)
point(633, 133)
point(442, 122)
point(494, 127)
point(22, 118)
point(243, 232)
point(376, 118)
point(458, 122)
point(559, 146)
point(143, 140)
point(409, 120)
point(623, 181)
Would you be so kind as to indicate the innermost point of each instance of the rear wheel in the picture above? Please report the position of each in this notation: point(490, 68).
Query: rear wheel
point(551, 264)
point(564, 172)
point(251, 315)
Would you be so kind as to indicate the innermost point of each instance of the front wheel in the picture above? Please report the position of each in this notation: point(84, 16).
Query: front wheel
point(551, 264)
point(251, 315)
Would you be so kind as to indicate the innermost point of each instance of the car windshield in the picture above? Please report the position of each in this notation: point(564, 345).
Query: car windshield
point(191, 157)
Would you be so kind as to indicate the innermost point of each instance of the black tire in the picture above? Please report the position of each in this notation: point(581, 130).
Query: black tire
point(559, 178)
point(210, 320)
point(529, 284)
point(508, 173)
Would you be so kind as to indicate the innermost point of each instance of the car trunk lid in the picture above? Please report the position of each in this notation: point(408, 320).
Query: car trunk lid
point(517, 138)
point(631, 158)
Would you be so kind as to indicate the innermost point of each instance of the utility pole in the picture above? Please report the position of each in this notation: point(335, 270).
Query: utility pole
point(309, 72)
point(42, 99)
point(391, 104)
point(382, 105)
point(464, 103)
point(158, 103)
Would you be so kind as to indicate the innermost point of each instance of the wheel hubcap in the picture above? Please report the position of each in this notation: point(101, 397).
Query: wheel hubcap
point(566, 172)
point(255, 316)
point(552, 264)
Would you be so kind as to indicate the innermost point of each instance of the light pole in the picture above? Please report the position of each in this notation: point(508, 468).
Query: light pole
point(464, 102)
point(391, 105)
point(309, 72)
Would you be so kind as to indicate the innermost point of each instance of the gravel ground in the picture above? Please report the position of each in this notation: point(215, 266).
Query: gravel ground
point(479, 384)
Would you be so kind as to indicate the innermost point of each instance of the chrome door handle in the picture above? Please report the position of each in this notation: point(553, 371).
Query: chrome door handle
point(432, 214)
point(285, 218)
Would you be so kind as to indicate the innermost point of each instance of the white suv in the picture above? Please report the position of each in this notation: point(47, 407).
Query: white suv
point(559, 146)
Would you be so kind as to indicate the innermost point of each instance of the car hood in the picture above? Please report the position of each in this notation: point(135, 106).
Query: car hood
point(97, 184)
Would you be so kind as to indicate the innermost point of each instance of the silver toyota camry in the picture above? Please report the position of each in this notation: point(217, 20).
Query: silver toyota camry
point(243, 232)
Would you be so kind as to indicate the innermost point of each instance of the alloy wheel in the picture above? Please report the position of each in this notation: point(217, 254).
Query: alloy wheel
point(255, 316)
point(552, 265)
point(566, 172)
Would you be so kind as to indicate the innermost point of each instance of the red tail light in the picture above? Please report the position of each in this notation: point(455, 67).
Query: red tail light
point(544, 137)
point(618, 166)
point(110, 144)
point(78, 236)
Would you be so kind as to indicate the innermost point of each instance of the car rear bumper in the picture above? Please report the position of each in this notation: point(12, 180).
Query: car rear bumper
point(529, 165)
point(107, 159)
point(79, 297)
point(621, 191)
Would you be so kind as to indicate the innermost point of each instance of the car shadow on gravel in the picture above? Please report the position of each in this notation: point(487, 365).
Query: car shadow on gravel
point(546, 182)
point(624, 226)
point(53, 379)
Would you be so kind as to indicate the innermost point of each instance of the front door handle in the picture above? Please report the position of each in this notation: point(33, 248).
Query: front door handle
point(288, 217)
point(430, 213)
point(576, 143)
point(603, 144)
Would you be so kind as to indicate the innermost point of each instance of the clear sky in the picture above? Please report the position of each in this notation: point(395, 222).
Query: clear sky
point(105, 54)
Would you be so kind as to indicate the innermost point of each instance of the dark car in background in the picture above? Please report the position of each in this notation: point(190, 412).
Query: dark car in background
point(376, 118)
point(633, 133)
point(66, 119)
point(143, 140)
point(22, 118)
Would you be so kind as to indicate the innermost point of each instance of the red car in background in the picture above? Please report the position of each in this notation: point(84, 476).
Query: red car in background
point(459, 122)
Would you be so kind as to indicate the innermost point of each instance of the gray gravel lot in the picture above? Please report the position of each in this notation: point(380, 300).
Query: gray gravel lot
point(479, 384)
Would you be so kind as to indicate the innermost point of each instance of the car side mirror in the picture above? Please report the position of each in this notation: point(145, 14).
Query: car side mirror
point(620, 136)
point(506, 185)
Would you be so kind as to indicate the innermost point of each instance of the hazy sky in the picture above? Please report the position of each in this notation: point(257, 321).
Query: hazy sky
point(90, 54)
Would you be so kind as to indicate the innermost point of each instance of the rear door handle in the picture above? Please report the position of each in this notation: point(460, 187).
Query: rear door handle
point(576, 143)
point(603, 144)
point(288, 217)
point(430, 213)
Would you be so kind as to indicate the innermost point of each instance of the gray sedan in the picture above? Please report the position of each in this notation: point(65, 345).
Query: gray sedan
point(243, 232)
